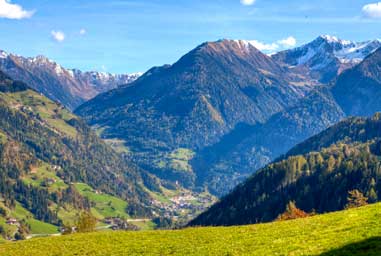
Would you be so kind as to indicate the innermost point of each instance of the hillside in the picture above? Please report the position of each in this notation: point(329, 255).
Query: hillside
point(193, 104)
point(350, 232)
point(317, 175)
point(45, 151)
point(358, 90)
point(249, 148)
point(69, 87)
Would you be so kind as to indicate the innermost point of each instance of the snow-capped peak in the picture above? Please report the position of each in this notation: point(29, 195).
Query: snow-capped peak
point(326, 48)
point(334, 39)
point(96, 77)
point(330, 38)
point(244, 44)
point(38, 60)
point(358, 51)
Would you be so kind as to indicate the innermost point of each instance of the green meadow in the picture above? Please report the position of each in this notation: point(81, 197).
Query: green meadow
point(350, 232)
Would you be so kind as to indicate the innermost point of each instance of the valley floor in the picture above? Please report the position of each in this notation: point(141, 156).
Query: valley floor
point(350, 232)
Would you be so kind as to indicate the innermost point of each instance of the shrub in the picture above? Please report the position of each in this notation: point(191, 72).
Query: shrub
point(292, 212)
point(86, 222)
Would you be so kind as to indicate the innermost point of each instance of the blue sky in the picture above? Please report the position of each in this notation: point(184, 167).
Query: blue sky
point(133, 35)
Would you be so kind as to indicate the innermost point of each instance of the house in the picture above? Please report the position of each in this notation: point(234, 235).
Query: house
point(68, 230)
point(108, 220)
point(56, 168)
point(33, 170)
point(12, 221)
point(50, 181)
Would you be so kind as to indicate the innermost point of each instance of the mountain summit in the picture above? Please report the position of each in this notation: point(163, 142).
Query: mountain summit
point(194, 102)
point(327, 56)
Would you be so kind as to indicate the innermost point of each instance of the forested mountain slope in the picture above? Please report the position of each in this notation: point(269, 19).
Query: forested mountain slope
point(317, 175)
point(249, 148)
point(45, 150)
point(358, 90)
point(354, 92)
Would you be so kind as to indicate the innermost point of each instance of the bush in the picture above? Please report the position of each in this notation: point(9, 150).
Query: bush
point(86, 222)
point(292, 212)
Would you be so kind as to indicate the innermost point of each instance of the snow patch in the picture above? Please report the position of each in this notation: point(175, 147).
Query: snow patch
point(3, 55)
point(243, 44)
point(334, 39)
point(71, 73)
point(327, 46)
point(58, 69)
point(358, 51)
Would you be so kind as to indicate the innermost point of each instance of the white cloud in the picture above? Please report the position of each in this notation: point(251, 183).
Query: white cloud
point(288, 42)
point(280, 44)
point(13, 11)
point(248, 2)
point(263, 46)
point(372, 10)
point(82, 32)
point(59, 36)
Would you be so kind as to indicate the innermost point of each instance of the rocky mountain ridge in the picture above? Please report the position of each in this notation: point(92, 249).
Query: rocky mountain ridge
point(70, 87)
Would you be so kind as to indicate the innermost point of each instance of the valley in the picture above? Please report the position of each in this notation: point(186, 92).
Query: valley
point(240, 127)
point(196, 143)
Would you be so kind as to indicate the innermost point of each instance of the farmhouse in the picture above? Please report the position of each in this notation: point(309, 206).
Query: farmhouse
point(12, 221)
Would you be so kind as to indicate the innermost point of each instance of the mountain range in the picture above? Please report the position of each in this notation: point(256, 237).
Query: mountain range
point(194, 103)
point(354, 92)
point(228, 105)
point(70, 87)
point(206, 123)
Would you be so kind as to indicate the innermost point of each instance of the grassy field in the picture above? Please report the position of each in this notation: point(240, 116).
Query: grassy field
point(180, 159)
point(118, 145)
point(104, 205)
point(177, 160)
point(36, 226)
point(351, 232)
point(40, 174)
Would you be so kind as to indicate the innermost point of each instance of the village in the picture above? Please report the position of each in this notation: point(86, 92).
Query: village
point(184, 206)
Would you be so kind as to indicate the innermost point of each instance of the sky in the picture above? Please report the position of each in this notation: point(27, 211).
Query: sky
point(125, 36)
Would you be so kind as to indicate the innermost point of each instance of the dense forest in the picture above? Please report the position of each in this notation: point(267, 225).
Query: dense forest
point(346, 157)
